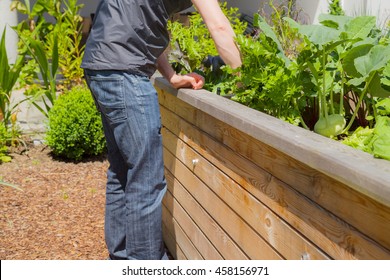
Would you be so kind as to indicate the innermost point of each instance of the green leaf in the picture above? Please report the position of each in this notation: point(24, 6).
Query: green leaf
point(4, 67)
point(375, 87)
point(317, 34)
point(293, 24)
point(383, 107)
point(386, 70)
point(55, 57)
point(8, 74)
point(381, 140)
point(268, 32)
point(356, 81)
point(37, 50)
point(386, 74)
point(19, 6)
point(39, 7)
point(360, 138)
point(376, 59)
point(320, 35)
point(334, 21)
point(360, 27)
point(348, 59)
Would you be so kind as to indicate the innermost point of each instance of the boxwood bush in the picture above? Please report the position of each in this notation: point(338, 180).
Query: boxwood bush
point(74, 127)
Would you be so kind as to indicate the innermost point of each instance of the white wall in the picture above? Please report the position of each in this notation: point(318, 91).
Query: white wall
point(355, 7)
point(9, 18)
point(312, 9)
point(378, 8)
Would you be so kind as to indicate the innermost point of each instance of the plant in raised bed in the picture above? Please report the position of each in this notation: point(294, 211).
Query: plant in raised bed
point(374, 140)
point(331, 86)
point(343, 56)
point(192, 48)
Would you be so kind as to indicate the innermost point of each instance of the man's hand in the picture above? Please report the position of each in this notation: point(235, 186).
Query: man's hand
point(191, 80)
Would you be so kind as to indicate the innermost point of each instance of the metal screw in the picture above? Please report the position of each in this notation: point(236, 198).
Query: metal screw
point(194, 162)
point(305, 256)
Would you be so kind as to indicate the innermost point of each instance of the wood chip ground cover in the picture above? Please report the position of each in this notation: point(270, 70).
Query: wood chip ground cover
point(59, 215)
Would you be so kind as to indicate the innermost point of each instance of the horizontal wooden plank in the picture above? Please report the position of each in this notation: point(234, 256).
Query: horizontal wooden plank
point(200, 241)
point(367, 215)
point(174, 229)
point(330, 233)
point(171, 244)
point(290, 244)
point(237, 228)
point(220, 239)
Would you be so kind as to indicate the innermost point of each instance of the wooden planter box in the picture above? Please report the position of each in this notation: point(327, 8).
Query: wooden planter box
point(244, 185)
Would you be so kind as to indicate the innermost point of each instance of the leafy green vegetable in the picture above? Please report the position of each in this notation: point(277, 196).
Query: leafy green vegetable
point(330, 84)
point(380, 141)
point(375, 141)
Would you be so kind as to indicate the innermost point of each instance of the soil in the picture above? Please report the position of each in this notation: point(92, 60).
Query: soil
point(59, 212)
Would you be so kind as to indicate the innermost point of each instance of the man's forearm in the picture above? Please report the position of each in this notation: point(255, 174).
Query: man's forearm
point(221, 31)
point(164, 67)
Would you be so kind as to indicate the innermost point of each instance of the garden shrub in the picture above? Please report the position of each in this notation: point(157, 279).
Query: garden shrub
point(4, 137)
point(75, 128)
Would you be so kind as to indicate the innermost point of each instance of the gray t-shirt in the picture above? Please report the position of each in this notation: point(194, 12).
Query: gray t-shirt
point(130, 35)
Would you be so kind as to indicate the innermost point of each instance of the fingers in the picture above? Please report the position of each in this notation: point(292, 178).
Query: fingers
point(191, 80)
point(197, 81)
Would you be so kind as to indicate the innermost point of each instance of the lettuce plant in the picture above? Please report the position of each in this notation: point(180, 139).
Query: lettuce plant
point(375, 140)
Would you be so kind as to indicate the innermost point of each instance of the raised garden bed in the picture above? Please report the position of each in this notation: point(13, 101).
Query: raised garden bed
point(244, 185)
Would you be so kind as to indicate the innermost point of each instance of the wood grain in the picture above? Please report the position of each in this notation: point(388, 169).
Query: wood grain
point(292, 206)
point(186, 246)
point(219, 238)
point(233, 224)
point(362, 212)
point(200, 241)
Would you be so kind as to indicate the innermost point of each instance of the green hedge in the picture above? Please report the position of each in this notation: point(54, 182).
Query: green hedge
point(75, 128)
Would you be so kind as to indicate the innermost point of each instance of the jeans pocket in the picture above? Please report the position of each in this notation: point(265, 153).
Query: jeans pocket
point(109, 94)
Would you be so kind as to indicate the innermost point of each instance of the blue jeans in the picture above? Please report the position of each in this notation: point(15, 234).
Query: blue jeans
point(135, 178)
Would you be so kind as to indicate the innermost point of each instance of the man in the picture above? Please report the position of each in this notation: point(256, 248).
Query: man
point(125, 47)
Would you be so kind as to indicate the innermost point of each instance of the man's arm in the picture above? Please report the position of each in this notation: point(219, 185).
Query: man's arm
point(221, 31)
point(178, 81)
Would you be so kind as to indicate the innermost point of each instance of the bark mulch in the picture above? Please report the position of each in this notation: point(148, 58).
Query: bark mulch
point(58, 214)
